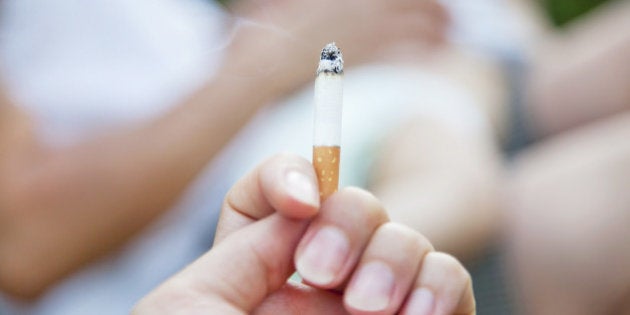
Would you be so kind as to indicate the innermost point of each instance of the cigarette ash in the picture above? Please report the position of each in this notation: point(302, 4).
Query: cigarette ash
point(331, 60)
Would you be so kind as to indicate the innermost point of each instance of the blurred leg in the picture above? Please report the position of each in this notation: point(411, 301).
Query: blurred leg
point(568, 222)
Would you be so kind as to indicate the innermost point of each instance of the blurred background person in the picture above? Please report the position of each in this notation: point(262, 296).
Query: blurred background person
point(568, 193)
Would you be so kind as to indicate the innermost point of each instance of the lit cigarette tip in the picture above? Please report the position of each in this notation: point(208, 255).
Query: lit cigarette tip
point(331, 60)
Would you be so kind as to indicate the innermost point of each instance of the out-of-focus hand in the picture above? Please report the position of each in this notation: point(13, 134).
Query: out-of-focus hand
point(283, 38)
point(364, 26)
point(351, 258)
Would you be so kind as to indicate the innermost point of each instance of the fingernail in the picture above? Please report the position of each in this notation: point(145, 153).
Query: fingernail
point(372, 288)
point(421, 302)
point(302, 188)
point(324, 256)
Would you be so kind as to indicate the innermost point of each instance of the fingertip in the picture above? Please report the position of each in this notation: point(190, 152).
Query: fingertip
point(302, 191)
point(332, 245)
point(289, 183)
point(451, 283)
point(357, 198)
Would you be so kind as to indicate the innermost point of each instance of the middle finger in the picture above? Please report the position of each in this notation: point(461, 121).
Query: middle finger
point(335, 240)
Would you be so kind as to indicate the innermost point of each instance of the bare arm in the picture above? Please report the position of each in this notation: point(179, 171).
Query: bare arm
point(567, 221)
point(68, 206)
point(444, 182)
point(583, 73)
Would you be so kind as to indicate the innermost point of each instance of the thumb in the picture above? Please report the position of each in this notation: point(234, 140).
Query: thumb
point(264, 216)
point(236, 275)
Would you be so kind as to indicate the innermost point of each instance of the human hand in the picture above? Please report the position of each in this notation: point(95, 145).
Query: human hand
point(351, 258)
point(284, 37)
point(369, 25)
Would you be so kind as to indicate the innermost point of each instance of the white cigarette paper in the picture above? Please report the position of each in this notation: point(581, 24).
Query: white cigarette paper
point(327, 126)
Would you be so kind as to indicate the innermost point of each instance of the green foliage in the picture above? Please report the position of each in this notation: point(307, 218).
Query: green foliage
point(562, 12)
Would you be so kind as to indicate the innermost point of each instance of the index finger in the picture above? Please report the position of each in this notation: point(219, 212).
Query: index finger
point(285, 183)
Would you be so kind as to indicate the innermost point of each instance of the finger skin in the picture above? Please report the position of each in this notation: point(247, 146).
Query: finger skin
point(448, 281)
point(351, 212)
point(260, 228)
point(238, 273)
point(397, 249)
point(266, 190)
point(300, 299)
point(246, 271)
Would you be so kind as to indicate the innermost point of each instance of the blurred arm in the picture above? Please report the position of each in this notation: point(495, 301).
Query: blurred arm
point(583, 73)
point(444, 182)
point(69, 206)
point(567, 221)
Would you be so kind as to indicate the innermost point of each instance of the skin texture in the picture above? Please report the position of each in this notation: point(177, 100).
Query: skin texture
point(63, 200)
point(273, 216)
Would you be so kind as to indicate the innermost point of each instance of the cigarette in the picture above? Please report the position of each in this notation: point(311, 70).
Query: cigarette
point(327, 125)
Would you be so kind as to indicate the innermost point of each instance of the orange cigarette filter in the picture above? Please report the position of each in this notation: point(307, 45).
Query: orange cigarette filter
point(326, 163)
point(327, 124)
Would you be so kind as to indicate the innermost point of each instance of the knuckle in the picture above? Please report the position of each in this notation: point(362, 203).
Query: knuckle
point(288, 156)
point(401, 231)
point(391, 230)
point(400, 234)
point(356, 192)
point(283, 161)
point(451, 265)
point(372, 211)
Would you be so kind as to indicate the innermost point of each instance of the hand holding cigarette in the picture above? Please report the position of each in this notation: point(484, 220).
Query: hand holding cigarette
point(352, 259)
